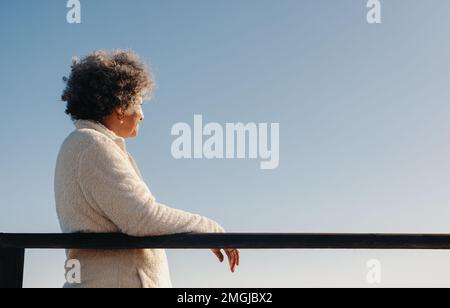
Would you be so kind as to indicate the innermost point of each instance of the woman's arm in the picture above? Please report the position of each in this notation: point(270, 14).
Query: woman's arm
point(109, 183)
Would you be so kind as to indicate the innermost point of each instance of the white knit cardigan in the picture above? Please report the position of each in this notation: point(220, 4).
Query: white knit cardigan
point(99, 189)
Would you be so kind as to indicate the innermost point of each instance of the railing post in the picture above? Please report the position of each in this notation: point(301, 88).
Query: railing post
point(11, 268)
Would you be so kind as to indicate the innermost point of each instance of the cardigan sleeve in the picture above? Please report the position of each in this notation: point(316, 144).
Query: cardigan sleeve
point(109, 182)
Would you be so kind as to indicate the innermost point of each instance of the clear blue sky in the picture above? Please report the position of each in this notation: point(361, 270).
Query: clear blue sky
point(363, 109)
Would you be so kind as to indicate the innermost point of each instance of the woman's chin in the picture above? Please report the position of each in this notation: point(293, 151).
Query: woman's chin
point(135, 133)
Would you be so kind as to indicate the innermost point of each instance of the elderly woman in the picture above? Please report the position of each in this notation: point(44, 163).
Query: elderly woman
point(98, 186)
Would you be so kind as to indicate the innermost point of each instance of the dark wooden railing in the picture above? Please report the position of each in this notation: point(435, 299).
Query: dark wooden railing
point(13, 246)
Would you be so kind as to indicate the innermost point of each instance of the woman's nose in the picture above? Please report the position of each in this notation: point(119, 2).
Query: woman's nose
point(140, 112)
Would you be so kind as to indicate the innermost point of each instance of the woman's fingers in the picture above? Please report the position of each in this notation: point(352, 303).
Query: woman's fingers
point(219, 254)
point(233, 256)
point(231, 259)
point(235, 261)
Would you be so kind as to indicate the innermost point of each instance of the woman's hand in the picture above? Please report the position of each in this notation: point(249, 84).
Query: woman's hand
point(233, 257)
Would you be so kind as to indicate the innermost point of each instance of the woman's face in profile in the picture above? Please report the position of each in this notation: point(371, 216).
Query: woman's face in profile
point(133, 116)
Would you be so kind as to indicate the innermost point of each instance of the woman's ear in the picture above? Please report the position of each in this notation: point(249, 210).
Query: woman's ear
point(120, 114)
point(118, 111)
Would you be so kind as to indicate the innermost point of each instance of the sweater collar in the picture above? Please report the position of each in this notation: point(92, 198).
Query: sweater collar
point(99, 127)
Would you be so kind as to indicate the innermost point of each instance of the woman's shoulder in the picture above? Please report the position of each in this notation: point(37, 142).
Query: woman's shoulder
point(87, 136)
point(81, 140)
